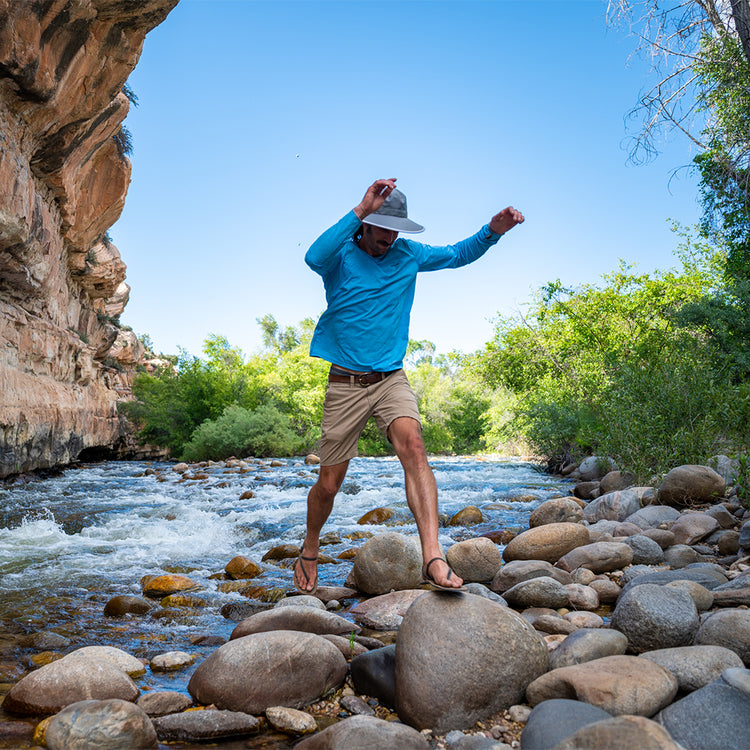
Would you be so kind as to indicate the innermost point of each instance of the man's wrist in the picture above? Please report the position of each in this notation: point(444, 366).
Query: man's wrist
point(360, 212)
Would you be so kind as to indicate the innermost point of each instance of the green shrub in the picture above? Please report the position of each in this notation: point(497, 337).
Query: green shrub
point(264, 431)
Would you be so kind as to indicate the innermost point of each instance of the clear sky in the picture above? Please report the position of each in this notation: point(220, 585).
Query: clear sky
point(260, 123)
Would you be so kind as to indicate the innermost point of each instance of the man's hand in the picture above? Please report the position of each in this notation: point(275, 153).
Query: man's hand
point(505, 220)
point(375, 197)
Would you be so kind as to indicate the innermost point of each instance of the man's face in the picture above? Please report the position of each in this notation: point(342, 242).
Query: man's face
point(376, 241)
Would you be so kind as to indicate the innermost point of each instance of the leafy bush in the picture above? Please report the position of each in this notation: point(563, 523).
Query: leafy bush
point(264, 431)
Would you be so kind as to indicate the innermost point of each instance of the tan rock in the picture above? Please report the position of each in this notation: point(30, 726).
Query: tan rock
point(556, 510)
point(468, 516)
point(689, 484)
point(548, 542)
point(599, 557)
point(241, 567)
point(161, 586)
point(376, 516)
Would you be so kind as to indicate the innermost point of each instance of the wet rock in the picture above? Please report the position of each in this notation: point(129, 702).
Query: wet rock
point(376, 516)
point(616, 684)
point(691, 484)
point(654, 516)
point(715, 717)
point(548, 542)
point(690, 528)
point(694, 666)
point(298, 618)
point(365, 733)
point(241, 567)
point(474, 560)
point(645, 551)
point(493, 655)
point(203, 726)
point(312, 459)
point(114, 656)
point(66, 681)
point(729, 628)
point(100, 725)
point(468, 516)
point(586, 645)
point(537, 592)
point(46, 640)
point(180, 468)
point(281, 552)
point(290, 720)
point(599, 557)
point(385, 612)
point(656, 617)
point(374, 674)
point(556, 510)
point(289, 669)
point(620, 733)
point(161, 586)
point(554, 720)
point(163, 702)
point(171, 661)
point(523, 570)
point(388, 562)
point(118, 606)
point(614, 506)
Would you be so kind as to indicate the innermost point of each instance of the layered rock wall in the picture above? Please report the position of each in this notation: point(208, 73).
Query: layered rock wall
point(63, 181)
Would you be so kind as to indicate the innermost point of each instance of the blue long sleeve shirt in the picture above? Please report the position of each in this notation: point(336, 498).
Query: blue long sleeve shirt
point(366, 324)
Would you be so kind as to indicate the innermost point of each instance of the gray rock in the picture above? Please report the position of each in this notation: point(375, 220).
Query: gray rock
point(595, 467)
point(201, 726)
point(553, 720)
point(556, 510)
point(365, 733)
point(691, 484)
point(616, 480)
point(727, 468)
point(524, 570)
point(729, 628)
point(538, 592)
point(602, 531)
point(702, 597)
point(617, 684)
point(479, 589)
point(607, 590)
point(302, 619)
point(715, 717)
point(653, 516)
point(374, 674)
point(690, 528)
point(588, 644)
point(655, 617)
point(620, 733)
point(614, 506)
point(61, 683)
point(680, 556)
point(744, 540)
point(694, 666)
point(663, 537)
point(356, 706)
point(386, 611)
point(599, 557)
point(303, 600)
point(388, 562)
point(288, 668)
point(111, 724)
point(582, 597)
point(705, 577)
point(493, 655)
point(476, 559)
point(163, 702)
point(645, 551)
point(477, 742)
point(725, 519)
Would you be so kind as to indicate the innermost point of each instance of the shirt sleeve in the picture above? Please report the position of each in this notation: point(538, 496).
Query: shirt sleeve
point(323, 253)
point(435, 257)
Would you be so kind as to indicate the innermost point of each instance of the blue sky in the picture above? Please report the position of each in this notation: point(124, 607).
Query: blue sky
point(260, 123)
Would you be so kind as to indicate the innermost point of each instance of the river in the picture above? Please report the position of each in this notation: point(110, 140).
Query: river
point(70, 542)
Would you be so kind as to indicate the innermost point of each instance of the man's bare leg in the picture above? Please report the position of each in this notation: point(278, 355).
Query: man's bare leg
point(319, 506)
point(405, 434)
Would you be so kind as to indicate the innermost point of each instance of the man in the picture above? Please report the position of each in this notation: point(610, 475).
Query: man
point(369, 275)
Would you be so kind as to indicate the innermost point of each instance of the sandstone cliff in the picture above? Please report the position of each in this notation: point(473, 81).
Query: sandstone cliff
point(63, 181)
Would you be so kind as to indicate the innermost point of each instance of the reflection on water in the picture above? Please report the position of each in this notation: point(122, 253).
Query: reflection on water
point(70, 543)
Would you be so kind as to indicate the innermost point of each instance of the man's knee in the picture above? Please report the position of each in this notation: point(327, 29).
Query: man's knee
point(329, 481)
point(406, 436)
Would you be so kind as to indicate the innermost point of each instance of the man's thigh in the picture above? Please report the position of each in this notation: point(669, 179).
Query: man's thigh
point(346, 410)
point(394, 401)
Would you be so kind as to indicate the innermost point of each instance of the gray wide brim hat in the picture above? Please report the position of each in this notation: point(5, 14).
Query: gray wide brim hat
point(392, 215)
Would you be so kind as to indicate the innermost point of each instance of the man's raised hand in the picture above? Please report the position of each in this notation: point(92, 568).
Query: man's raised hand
point(375, 197)
point(505, 220)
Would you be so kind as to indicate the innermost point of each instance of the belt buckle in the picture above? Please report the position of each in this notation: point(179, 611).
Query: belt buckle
point(361, 379)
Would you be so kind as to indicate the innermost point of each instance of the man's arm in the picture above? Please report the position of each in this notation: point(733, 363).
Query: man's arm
point(375, 197)
point(505, 220)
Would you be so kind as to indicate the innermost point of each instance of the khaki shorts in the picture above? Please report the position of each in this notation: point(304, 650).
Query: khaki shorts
point(347, 408)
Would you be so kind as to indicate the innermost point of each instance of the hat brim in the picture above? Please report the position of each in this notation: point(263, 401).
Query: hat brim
point(394, 223)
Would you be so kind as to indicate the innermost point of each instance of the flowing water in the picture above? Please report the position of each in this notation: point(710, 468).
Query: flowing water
point(71, 542)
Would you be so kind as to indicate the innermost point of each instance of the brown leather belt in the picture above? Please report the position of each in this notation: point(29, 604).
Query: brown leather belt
point(357, 378)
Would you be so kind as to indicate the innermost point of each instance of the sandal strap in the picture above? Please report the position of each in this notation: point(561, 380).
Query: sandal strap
point(307, 558)
point(427, 567)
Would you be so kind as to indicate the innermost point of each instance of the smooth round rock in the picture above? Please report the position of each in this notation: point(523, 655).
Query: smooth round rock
point(538, 592)
point(290, 720)
point(599, 557)
point(548, 542)
point(556, 510)
point(299, 618)
point(163, 702)
point(118, 606)
point(620, 733)
point(645, 550)
point(553, 720)
point(523, 570)
point(241, 567)
point(586, 645)
point(160, 586)
point(475, 560)
point(691, 484)
point(695, 666)
point(729, 628)
point(204, 726)
point(388, 562)
point(614, 506)
point(365, 733)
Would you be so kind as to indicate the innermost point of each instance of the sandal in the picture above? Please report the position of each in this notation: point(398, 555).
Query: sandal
point(306, 577)
point(428, 579)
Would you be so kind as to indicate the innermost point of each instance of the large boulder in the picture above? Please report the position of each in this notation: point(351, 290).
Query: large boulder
point(716, 717)
point(365, 733)
point(595, 467)
point(548, 542)
point(100, 725)
point(729, 628)
point(556, 510)
point(475, 560)
point(462, 658)
point(616, 684)
point(691, 484)
point(388, 562)
point(614, 506)
point(694, 666)
point(278, 668)
point(655, 617)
